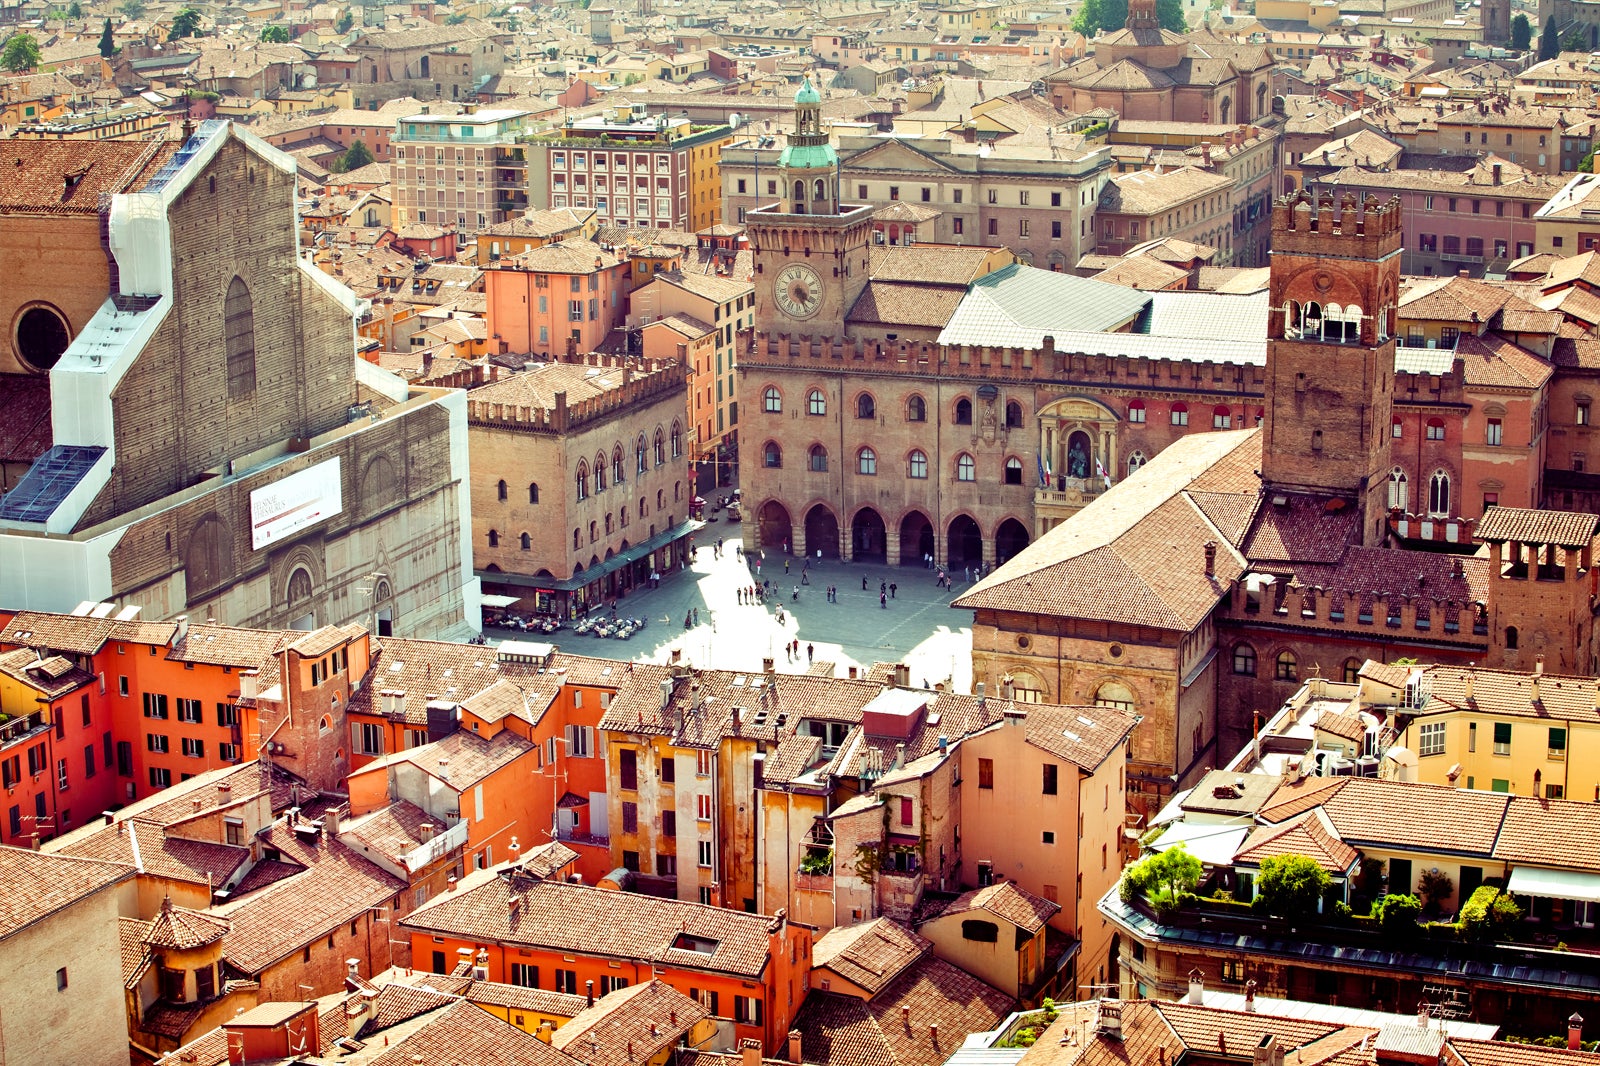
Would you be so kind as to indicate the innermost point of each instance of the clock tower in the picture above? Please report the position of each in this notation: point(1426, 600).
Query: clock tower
point(811, 251)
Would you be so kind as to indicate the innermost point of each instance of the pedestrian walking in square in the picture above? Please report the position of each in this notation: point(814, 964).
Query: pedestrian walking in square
point(883, 600)
point(863, 582)
point(811, 653)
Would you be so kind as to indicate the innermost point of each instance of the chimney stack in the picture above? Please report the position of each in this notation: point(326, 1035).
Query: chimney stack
point(589, 992)
point(1250, 996)
point(750, 1052)
point(1575, 1032)
point(1197, 987)
point(1467, 688)
point(794, 1045)
point(666, 692)
point(330, 824)
point(1211, 558)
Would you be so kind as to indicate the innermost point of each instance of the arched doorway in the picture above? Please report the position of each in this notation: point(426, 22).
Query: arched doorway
point(869, 540)
point(776, 528)
point(822, 532)
point(964, 544)
point(916, 539)
point(1009, 539)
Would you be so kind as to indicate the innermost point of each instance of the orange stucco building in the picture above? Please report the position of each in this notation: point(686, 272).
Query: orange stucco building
point(562, 296)
point(750, 971)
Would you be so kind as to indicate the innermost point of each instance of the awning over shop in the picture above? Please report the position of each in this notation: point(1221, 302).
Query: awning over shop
point(599, 570)
point(1214, 845)
point(499, 601)
point(1554, 884)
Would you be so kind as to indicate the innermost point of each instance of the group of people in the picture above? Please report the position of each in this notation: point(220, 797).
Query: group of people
point(792, 650)
point(754, 595)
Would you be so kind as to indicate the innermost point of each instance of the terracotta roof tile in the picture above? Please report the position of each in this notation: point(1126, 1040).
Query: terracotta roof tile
point(135, 954)
point(629, 1025)
point(895, 1027)
point(1545, 832)
point(35, 885)
point(1082, 736)
point(231, 646)
point(928, 264)
point(463, 758)
point(182, 928)
point(581, 918)
point(1004, 899)
point(1568, 529)
point(464, 1033)
point(1494, 361)
point(57, 632)
point(1132, 555)
point(396, 1003)
point(391, 832)
point(1369, 811)
point(870, 954)
point(69, 177)
point(336, 885)
point(1305, 835)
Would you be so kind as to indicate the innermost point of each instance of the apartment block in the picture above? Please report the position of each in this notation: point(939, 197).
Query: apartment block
point(725, 305)
point(633, 167)
point(463, 168)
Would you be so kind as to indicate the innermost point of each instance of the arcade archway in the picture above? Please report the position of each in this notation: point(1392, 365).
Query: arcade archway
point(916, 539)
point(776, 527)
point(822, 532)
point(869, 539)
point(1009, 539)
point(964, 543)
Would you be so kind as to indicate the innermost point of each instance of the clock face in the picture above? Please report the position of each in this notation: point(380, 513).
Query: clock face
point(798, 291)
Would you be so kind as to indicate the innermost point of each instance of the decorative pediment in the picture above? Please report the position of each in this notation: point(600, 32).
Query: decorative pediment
point(897, 155)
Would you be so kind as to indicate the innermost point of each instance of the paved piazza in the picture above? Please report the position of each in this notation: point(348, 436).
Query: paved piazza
point(918, 627)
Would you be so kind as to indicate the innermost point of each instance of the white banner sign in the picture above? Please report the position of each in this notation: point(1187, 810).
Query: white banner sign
point(281, 510)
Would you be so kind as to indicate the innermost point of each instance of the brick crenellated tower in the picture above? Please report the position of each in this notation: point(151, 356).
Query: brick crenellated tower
point(1330, 353)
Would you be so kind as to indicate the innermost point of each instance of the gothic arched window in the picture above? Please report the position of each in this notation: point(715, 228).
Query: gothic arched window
point(239, 339)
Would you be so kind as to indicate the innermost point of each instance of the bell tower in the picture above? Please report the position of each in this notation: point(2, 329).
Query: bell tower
point(1335, 283)
point(810, 250)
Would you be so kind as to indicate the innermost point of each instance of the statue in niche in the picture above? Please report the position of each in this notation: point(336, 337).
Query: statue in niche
point(988, 420)
point(1078, 456)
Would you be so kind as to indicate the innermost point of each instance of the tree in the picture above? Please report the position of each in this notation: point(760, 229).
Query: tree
point(1290, 886)
point(346, 20)
point(108, 44)
point(1587, 166)
point(1574, 40)
point(355, 157)
point(1433, 888)
point(1549, 41)
point(1163, 876)
point(186, 23)
point(21, 53)
point(132, 10)
point(275, 35)
point(74, 10)
point(1521, 33)
point(1488, 915)
point(1397, 915)
point(1097, 15)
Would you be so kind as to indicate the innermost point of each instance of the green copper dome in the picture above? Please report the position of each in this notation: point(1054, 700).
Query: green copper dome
point(807, 95)
point(808, 156)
